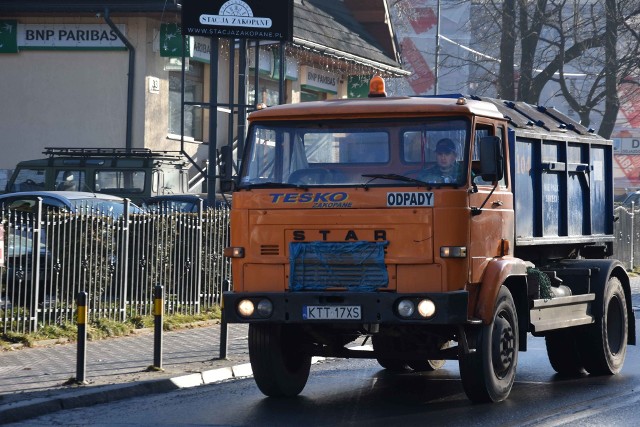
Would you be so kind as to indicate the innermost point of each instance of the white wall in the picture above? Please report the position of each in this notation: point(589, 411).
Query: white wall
point(61, 98)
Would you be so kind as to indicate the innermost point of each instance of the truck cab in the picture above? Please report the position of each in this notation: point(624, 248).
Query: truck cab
point(135, 173)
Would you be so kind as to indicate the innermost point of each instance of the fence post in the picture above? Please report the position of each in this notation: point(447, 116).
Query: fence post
point(158, 313)
point(223, 323)
point(35, 267)
point(632, 236)
point(123, 256)
point(81, 358)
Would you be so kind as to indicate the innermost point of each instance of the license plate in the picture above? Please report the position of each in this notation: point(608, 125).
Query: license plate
point(331, 312)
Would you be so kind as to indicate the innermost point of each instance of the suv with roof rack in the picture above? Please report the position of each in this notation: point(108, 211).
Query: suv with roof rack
point(137, 173)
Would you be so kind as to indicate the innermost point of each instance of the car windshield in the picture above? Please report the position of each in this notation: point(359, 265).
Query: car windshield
point(172, 206)
point(102, 207)
point(356, 153)
point(632, 200)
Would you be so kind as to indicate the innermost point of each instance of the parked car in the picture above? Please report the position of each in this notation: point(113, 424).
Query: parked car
point(135, 173)
point(71, 201)
point(632, 198)
point(20, 211)
point(187, 202)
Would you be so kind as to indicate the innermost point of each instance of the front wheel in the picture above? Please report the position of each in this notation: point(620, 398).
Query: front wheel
point(488, 373)
point(604, 343)
point(278, 359)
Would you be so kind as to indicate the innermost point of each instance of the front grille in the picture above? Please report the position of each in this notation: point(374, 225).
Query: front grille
point(356, 266)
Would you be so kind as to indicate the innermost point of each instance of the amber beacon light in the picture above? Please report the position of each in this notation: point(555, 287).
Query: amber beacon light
point(376, 87)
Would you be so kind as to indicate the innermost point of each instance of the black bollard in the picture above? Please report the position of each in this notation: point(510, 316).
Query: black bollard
point(158, 313)
point(81, 359)
point(223, 323)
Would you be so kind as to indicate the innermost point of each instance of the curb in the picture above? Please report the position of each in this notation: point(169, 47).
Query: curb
point(21, 411)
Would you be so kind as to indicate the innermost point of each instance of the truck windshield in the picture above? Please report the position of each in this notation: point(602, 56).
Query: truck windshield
point(424, 152)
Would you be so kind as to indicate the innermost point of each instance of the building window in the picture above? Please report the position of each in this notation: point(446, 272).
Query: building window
point(193, 92)
point(269, 92)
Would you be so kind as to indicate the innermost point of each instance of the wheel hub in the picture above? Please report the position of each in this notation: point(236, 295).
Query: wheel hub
point(503, 346)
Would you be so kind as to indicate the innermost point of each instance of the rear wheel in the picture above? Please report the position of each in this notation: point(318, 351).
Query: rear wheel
point(428, 365)
point(382, 344)
point(604, 343)
point(564, 352)
point(279, 362)
point(488, 373)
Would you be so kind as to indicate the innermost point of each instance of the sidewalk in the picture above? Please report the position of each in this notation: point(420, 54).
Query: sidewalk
point(33, 380)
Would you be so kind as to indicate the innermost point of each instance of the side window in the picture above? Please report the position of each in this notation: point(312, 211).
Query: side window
point(481, 131)
point(118, 181)
point(70, 180)
point(193, 92)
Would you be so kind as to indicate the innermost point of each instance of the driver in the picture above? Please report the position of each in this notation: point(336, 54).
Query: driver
point(446, 169)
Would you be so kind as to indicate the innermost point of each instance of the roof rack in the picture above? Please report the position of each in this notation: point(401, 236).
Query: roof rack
point(111, 152)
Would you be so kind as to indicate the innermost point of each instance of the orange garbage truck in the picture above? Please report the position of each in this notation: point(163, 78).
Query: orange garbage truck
point(439, 228)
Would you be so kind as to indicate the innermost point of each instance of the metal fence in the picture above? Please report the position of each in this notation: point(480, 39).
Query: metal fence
point(51, 256)
point(626, 228)
point(119, 261)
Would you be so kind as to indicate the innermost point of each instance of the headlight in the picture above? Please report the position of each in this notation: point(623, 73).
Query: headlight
point(406, 308)
point(265, 308)
point(246, 308)
point(254, 308)
point(426, 308)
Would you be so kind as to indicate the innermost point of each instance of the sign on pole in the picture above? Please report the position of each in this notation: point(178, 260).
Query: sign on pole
point(238, 19)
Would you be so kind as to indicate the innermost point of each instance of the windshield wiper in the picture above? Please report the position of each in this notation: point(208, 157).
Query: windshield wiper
point(393, 176)
point(273, 184)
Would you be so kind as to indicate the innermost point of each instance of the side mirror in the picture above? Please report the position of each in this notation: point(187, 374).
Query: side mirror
point(225, 165)
point(491, 159)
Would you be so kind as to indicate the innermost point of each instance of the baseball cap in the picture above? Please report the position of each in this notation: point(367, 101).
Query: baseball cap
point(445, 145)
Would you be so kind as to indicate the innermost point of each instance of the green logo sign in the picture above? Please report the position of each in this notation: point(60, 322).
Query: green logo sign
point(358, 86)
point(171, 42)
point(8, 36)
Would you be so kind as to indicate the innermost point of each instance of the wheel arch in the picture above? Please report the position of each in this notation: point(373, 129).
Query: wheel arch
point(508, 271)
point(602, 270)
point(517, 285)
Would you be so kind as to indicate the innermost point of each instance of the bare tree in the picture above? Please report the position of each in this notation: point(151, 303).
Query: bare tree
point(536, 50)
point(576, 45)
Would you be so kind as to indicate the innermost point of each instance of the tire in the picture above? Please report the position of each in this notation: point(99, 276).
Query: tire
point(564, 352)
point(488, 373)
point(279, 363)
point(428, 365)
point(604, 343)
point(380, 344)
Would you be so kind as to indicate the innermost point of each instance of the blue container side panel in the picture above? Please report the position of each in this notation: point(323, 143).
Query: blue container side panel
point(552, 189)
point(561, 189)
point(525, 206)
point(578, 190)
point(551, 209)
point(600, 170)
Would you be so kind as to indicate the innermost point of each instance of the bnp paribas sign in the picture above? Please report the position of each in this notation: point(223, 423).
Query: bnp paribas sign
point(238, 19)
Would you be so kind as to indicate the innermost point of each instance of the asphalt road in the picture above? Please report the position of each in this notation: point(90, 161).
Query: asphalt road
point(359, 392)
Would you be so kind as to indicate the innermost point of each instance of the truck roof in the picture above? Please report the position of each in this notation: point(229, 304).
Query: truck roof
point(377, 107)
point(523, 118)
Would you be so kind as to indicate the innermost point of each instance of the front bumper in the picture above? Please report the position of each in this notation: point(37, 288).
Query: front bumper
point(375, 307)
